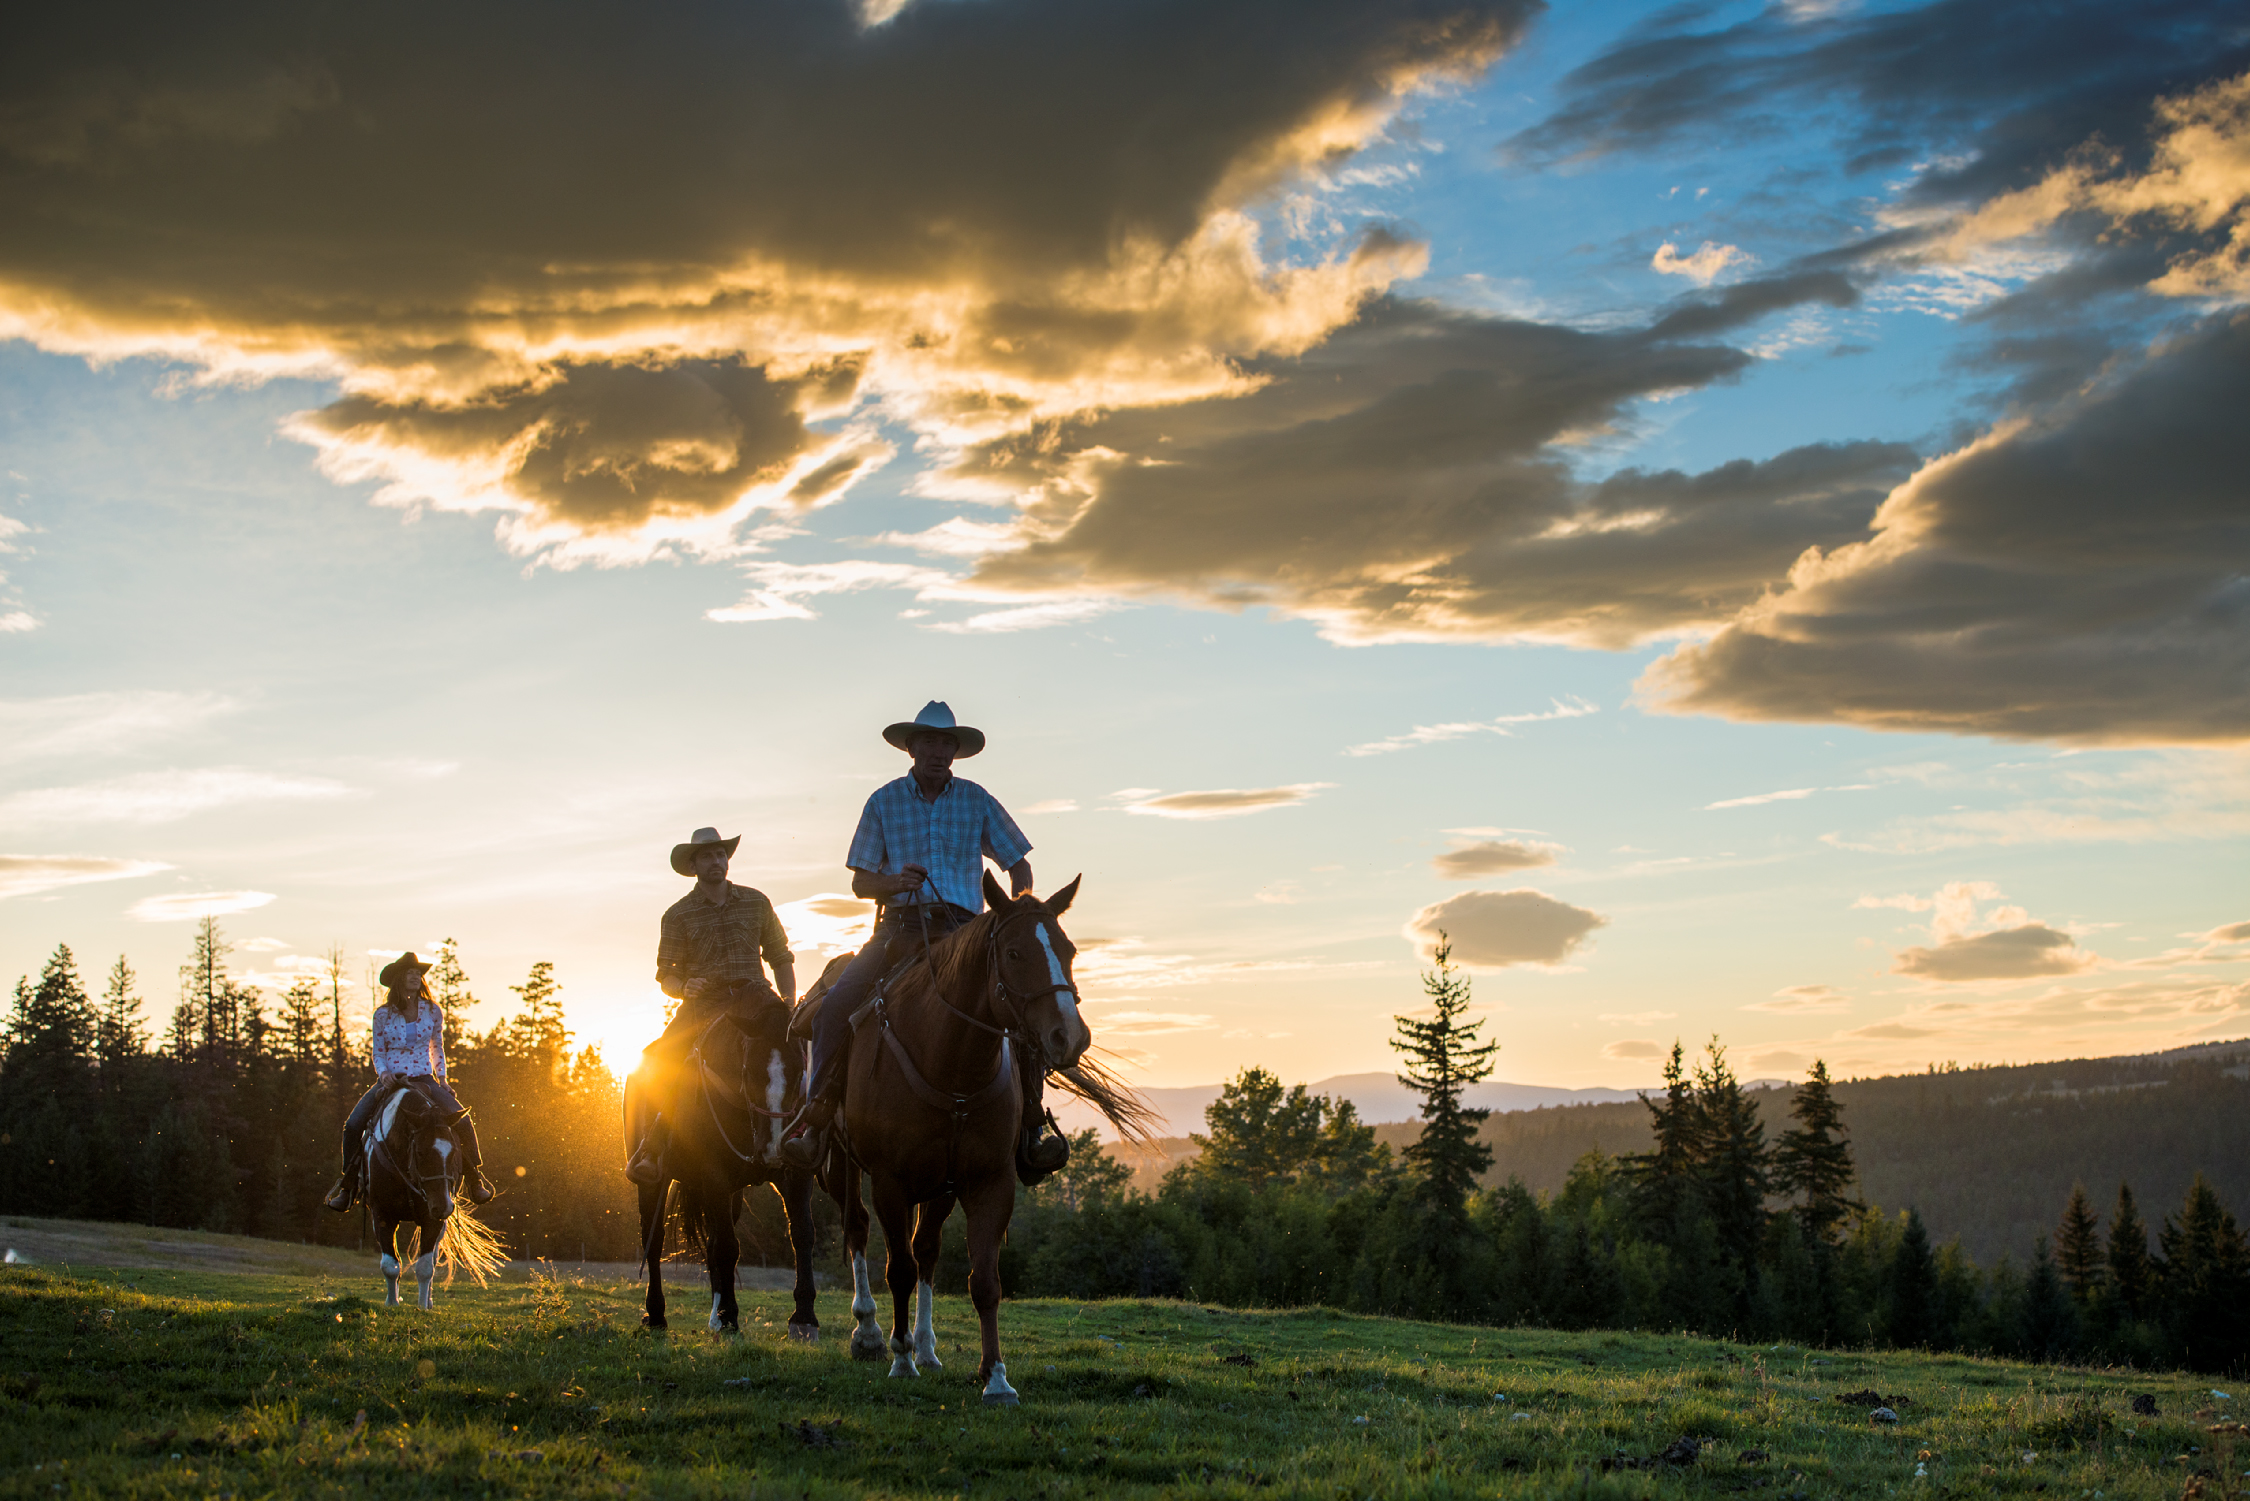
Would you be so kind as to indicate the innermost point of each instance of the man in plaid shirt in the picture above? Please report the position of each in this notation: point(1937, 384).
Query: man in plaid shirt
point(919, 851)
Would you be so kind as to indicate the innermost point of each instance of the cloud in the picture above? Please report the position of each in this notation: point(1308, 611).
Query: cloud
point(1489, 857)
point(163, 796)
point(1794, 794)
point(1052, 805)
point(1410, 479)
point(80, 725)
point(1431, 734)
point(2077, 574)
point(1027, 617)
point(2018, 953)
point(1801, 1000)
point(24, 875)
point(186, 905)
point(1631, 1050)
point(1704, 266)
point(1153, 1023)
point(1224, 802)
point(826, 923)
point(620, 328)
point(18, 621)
point(2235, 932)
point(1494, 929)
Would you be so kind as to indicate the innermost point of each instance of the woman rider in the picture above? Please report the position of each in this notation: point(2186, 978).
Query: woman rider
point(409, 1049)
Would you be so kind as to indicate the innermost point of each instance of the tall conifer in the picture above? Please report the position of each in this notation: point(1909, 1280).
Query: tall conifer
point(2132, 1273)
point(1444, 1056)
point(1814, 1158)
point(2078, 1247)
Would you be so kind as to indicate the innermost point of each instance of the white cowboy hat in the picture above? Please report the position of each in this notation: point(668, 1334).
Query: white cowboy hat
point(683, 855)
point(935, 716)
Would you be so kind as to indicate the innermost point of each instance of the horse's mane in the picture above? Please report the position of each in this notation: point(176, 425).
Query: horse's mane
point(953, 964)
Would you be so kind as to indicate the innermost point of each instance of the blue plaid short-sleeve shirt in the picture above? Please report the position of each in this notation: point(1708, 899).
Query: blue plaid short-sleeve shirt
point(949, 838)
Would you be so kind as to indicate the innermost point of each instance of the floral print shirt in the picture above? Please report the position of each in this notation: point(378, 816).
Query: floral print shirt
point(412, 1047)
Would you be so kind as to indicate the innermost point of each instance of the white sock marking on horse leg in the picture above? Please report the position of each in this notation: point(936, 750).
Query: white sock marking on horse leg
point(997, 1392)
point(902, 1359)
point(425, 1267)
point(868, 1341)
point(714, 1313)
point(925, 1331)
point(389, 1264)
point(863, 1291)
point(777, 1090)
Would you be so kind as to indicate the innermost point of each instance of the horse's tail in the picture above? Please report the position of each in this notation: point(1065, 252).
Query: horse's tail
point(470, 1243)
point(1121, 1105)
point(687, 1211)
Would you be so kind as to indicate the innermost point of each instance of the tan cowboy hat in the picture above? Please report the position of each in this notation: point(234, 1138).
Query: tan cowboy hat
point(395, 971)
point(683, 855)
point(935, 716)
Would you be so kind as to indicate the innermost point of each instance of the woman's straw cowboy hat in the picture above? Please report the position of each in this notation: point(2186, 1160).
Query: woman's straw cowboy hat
point(396, 970)
point(683, 855)
point(935, 716)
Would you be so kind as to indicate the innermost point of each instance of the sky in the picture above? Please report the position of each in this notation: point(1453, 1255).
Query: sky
point(1736, 516)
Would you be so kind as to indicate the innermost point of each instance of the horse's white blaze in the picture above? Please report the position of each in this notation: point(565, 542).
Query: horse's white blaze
point(997, 1392)
point(777, 1090)
point(925, 1331)
point(1063, 997)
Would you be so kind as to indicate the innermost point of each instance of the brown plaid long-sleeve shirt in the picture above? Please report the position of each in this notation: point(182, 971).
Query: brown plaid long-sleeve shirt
point(702, 942)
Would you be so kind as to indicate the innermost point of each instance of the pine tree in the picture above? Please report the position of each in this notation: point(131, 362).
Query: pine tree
point(2206, 1281)
point(1663, 1177)
point(2132, 1273)
point(449, 987)
point(1735, 1165)
point(1444, 1057)
point(300, 1021)
point(206, 993)
point(1814, 1158)
point(2078, 1247)
point(51, 1033)
point(539, 1031)
point(119, 1033)
point(1913, 1313)
point(2050, 1318)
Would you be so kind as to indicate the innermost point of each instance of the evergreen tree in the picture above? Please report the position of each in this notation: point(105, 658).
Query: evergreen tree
point(1347, 1156)
point(2132, 1273)
point(2206, 1281)
point(300, 1029)
point(2049, 1319)
point(2078, 1247)
point(1734, 1167)
point(1663, 1178)
point(1912, 1320)
point(538, 1031)
point(449, 987)
point(1814, 1158)
point(119, 1033)
point(1444, 1057)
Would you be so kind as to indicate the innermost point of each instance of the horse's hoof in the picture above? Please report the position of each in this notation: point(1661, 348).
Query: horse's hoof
point(805, 1334)
point(877, 1350)
point(1002, 1399)
point(903, 1366)
point(653, 1321)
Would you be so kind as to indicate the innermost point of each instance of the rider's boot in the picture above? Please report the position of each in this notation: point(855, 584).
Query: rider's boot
point(1039, 1155)
point(808, 1144)
point(340, 1197)
point(646, 1165)
point(480, 1187)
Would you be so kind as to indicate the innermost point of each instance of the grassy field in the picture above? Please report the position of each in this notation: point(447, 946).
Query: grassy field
point(176, 1383)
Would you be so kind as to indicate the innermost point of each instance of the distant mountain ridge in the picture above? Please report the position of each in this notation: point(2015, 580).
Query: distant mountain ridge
point(1379, 1098)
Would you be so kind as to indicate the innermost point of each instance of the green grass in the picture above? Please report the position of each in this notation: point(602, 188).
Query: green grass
point(211, 1384)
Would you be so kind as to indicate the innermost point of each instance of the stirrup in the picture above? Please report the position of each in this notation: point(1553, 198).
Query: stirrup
point(344, 1189)
point(806, 1149)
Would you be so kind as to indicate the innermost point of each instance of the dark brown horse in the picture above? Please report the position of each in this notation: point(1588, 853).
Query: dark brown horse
point(412, 1181)
point(738, 1087)
point(935, 1105)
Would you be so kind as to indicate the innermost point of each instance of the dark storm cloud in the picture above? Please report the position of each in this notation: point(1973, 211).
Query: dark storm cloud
point(1747, 301)
point(2083, 574)
point(2006, 88)
point(1403, 479)
point(465, 213)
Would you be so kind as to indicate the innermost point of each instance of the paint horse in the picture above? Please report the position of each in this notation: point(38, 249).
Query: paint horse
point(934, 1107)
point(413, 1171)
point(734, 1095)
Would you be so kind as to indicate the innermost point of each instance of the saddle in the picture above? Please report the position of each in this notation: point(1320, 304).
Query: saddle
point(391, 1134)
point(807, 1015)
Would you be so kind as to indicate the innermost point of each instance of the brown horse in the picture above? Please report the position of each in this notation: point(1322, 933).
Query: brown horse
point(934, 1107)
point(736, 1091)
point(411, 1177)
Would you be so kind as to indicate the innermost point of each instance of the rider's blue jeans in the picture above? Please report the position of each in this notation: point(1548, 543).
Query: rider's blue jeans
point(363, 1115)
point(898, 935)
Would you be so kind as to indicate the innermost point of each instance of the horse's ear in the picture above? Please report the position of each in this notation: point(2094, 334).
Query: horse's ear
point(1060, 902)
point(993, 895)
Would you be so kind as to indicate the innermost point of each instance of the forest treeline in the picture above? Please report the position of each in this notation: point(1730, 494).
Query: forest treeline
point(1721, 1222)
point(228, 1120)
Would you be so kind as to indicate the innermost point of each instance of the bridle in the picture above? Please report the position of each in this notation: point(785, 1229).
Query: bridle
point(1005, 997)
